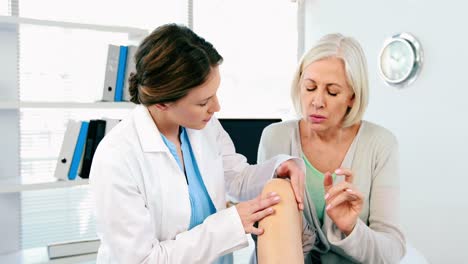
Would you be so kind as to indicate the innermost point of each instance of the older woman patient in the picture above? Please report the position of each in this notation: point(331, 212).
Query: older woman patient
point(352, 180)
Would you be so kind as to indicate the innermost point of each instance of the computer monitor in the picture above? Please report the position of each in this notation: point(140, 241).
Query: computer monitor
point(246, 133)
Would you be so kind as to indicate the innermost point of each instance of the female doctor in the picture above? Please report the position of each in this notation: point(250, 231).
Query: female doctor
point(160, 178)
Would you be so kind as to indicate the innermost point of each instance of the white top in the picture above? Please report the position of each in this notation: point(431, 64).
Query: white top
point(373, 158)
point(141, 196)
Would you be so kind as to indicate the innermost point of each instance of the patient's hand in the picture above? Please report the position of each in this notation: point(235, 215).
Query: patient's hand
point(343, 201)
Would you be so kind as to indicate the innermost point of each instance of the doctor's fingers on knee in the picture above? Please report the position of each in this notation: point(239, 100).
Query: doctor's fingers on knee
point(254, 230)
point(262, 203)
point(256, 217)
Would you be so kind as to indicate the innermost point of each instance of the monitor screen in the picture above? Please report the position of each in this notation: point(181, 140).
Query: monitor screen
point(246, 133)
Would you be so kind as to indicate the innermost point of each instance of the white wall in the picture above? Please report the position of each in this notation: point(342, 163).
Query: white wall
point(429, 118)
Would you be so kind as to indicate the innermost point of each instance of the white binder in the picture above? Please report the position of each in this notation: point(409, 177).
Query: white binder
point(66, 151)
point(110, 123)
point(73, 248)
point(131, 67)
point(110, 79)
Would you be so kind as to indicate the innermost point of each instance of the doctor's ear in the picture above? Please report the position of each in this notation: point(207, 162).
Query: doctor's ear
point(162, 106)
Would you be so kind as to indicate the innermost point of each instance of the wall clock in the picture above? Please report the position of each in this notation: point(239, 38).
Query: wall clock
point(400, 60)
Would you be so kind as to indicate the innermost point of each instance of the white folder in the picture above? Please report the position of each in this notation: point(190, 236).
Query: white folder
point(110, 78)
point(66, 151)
point(73, 248)
point(110, 123)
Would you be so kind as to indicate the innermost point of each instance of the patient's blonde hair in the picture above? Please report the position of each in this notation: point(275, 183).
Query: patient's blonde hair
point(348, 50)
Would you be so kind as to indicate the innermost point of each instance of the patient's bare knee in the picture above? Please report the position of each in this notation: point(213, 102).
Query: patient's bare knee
point(281, 241)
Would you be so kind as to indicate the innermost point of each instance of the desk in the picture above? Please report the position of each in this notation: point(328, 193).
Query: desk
point(40, 256)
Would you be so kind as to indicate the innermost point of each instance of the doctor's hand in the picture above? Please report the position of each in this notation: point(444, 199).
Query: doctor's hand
point(255, 210)
point(343, 201)
point(289, 169)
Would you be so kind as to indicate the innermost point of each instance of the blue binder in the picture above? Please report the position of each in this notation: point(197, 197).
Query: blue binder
point(119, 86)
point(79, 148)
point(131, 67)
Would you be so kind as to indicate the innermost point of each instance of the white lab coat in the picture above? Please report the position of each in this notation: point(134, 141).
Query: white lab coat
point(141, 196)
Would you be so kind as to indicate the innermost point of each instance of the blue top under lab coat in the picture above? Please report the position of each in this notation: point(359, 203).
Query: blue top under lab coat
point(200, 201)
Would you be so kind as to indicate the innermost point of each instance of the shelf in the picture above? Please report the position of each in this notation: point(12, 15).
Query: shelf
point(12, 185)
point(13, 20)
point(112, 105)
point(9, 105)
point(128, 105)
point(39, 255)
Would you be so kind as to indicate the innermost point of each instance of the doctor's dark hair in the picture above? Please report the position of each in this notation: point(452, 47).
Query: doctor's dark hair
point(169, 62)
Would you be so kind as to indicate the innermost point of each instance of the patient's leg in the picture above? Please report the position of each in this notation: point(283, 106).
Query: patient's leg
point(281, 241)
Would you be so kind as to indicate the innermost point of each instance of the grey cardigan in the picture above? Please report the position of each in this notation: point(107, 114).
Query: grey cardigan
point(373, 158)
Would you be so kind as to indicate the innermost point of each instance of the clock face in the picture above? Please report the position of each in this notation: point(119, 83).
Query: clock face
point(397, 61)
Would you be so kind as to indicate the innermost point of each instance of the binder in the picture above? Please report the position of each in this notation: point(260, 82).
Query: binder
point(110, 124)
point(81, 161)
point(67, 149)
point(72, 248)
point(95, 134)
point(100, 133)
point(110, 78)
point(90, 136)
point(121, 74)
point(131, 67)
point(79, 148)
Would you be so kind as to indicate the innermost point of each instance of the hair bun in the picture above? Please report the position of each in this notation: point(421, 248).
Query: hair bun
point(133, 87)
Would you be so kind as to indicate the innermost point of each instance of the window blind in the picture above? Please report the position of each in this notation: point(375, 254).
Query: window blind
point(55, 215)
point(4, 8)
point(136, 13)
point(258, 40)
point(66, 64)
point(63, 64)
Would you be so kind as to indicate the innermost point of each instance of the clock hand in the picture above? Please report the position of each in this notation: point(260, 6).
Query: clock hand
point(397, 59)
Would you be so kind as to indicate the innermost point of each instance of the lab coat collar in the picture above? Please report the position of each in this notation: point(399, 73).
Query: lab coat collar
point(204, 152)
point(195, 139)
point(150, 136)
point(148, 132)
